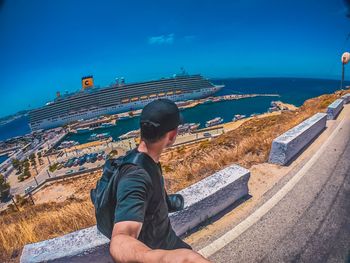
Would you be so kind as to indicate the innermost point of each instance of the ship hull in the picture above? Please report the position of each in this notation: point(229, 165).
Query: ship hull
point(125, 107)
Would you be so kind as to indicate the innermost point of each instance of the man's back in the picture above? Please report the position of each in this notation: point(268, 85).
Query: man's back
point(141, 197)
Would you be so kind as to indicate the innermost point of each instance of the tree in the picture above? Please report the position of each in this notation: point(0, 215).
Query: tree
point(20, 178)
point(33, 162)
point(17, 165)
point(26, 173)
point(32, 159)
point(26, 164)
point(4, 187)
point(32, 156)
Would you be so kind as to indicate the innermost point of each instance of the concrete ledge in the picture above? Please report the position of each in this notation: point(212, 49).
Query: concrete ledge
point(210, 196)
point(204, 199)
point(288, 145)
point(334, 109)
point(75, 246)
point(346, 98)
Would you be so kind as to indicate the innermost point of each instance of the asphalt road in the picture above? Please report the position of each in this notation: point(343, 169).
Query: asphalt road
point(311, 223)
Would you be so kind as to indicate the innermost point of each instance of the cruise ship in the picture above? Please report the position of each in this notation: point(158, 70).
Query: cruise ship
point(91, 102)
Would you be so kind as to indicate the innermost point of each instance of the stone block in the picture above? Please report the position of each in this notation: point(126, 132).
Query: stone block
point(334, 109)
point(346, 98)
point(210, 196)
point(288, 145)
point(203, 200)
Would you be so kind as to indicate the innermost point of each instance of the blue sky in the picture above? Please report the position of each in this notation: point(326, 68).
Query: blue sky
point(49, 45)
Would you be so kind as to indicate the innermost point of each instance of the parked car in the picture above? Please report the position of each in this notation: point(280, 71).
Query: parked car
point(88, 158)
point(81, 160)
point(93, 158)
point(29, 189)
point(207, 135)
point(69, 172)
point(76, 162)
point(82, 168)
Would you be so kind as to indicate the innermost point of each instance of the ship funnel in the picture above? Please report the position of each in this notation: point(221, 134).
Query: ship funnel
point(58, 94)
point(87, 82)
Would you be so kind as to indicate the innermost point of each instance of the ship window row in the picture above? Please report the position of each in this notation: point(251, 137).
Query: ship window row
point(180, 83)
point(59, 112)
point(161, 85)
point(89, 97)
point(170, 80)
point(64, 109)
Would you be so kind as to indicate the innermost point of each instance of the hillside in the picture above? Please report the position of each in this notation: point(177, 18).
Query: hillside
point(247, 145)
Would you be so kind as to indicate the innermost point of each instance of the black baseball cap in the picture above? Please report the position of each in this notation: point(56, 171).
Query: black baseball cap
point(160, 116)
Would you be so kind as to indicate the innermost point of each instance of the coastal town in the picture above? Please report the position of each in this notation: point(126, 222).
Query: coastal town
point(157, 131)
point(44, 155)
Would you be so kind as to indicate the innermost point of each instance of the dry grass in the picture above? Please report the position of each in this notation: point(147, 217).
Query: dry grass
point(41, 222)
point(247, 145)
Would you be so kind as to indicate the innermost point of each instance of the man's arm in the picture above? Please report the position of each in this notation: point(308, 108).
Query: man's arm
point(125, 247)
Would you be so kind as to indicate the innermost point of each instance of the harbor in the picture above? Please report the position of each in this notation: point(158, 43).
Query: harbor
point(125, 125)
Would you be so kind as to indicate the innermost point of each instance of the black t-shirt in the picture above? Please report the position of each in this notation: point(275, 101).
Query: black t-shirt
point(136, 202)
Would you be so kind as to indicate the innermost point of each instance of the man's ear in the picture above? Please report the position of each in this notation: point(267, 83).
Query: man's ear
point(172, 136)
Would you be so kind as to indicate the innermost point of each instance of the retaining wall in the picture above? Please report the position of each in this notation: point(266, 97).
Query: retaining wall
point(346, 98)
point(288, 145)
point(202, 200)
point(210, 196)
point(334, 109)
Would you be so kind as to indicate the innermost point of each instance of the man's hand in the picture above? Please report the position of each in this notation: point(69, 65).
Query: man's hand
point(125, 247)
point(179, 256)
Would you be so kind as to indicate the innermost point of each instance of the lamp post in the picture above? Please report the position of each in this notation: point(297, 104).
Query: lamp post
point(344, 59)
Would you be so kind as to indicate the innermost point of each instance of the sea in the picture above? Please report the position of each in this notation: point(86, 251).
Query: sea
point(3, 158)
point(291, 90)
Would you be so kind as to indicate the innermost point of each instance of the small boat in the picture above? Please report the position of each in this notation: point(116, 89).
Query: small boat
point(67, 144)
point(207, 101)
point(130, 134)
point(187, 127)
point(82, 130)
point(194, 126)
point(214, 122)
point(106, 125)
point(274, 103)
point(238, 117)
point(100, 136)
point(124, 117)
point(272, 109)
point(183, 128)
point(217, 99)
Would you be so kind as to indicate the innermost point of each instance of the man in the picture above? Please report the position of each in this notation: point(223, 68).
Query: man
point(142, 231)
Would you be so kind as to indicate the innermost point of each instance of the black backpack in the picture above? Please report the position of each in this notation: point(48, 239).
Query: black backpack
point(104, 195)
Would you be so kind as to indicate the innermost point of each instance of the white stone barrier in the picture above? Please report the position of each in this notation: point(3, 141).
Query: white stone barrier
point(203, 200)
point(346, 98)
point(334, 109)
point(289, 144)
point(210, 196)
point(79, 246)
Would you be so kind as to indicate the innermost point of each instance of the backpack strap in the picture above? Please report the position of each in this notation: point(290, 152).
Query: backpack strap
point(153, 170)
point(142, 160)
